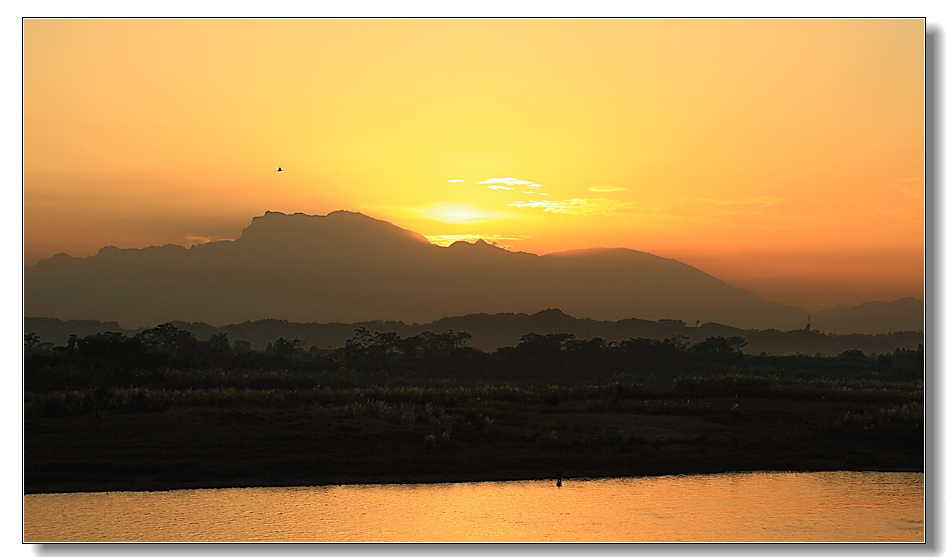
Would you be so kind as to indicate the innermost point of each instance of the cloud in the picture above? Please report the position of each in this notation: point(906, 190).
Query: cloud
point(455, 181)
point(578, 206)
point(507, 181)
point(605, 189)
point(493, 183)
point(912, 187)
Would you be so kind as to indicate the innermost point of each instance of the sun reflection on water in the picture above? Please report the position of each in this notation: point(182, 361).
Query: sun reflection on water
point(758, 507)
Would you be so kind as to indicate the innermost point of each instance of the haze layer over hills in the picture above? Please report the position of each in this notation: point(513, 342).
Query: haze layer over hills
point(348, 267)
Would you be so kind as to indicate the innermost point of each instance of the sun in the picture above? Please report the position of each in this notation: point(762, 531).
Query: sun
point(457, 213)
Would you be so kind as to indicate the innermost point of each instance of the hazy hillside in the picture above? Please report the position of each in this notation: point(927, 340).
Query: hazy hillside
point(905, 314)
point(347, 267)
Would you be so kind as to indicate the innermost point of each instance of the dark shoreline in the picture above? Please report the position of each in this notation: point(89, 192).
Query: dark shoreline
point(257, 446)
point(146, 486)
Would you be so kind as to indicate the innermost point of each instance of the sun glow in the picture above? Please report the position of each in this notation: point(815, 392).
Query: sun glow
point(682, 138)
point(455, 213)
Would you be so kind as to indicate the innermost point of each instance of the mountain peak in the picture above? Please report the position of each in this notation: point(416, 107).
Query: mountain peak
point(331, 228)
point(552, 313)
point(349, 267)
point(478, 244)
point(342, 213)
point(300, 216)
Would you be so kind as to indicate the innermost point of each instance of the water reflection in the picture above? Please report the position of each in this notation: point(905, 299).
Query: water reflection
point(811, 507)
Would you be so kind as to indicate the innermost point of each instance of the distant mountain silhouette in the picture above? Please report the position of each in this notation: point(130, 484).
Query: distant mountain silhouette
point(347, 267)
point(905, 314)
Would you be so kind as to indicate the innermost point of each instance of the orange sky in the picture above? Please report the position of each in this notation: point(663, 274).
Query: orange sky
point(784, 156)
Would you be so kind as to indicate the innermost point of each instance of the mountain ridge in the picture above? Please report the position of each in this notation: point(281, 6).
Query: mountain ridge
point(904, 314)
point(348, 267)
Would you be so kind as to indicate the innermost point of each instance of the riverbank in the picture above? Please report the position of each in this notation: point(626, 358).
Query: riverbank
point(425, 435)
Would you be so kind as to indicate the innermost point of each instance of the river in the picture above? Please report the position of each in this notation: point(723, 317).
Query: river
point(736, 507)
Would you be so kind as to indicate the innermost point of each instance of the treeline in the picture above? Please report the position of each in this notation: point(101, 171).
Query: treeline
point(556, 356)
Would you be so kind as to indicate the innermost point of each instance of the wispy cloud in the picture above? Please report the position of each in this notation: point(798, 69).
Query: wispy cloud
point(606, 189)
point(912, 187)
point(455, 181)
point(579, 206)
point(507, 183)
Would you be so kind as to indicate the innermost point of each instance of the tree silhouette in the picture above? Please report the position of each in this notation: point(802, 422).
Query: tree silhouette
point(30, 342)
point(166, 343)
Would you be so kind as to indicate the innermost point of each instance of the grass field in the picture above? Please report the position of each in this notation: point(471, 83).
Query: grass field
point(168, 428)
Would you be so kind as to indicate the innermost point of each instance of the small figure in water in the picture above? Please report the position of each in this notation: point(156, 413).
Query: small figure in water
point(559, 484)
